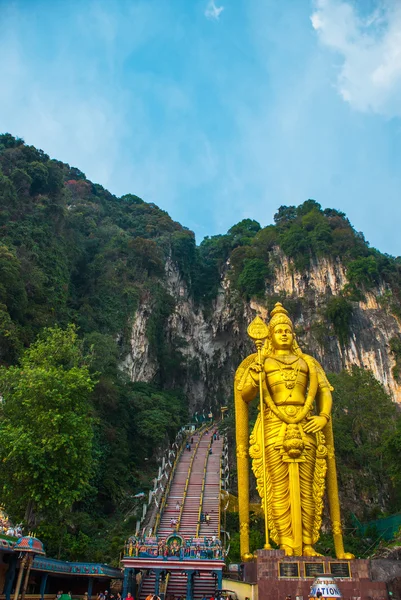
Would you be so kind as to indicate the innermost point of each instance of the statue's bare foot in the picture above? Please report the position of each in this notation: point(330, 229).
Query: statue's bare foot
point(346, 556)
point(310, 551)
point(287, 549)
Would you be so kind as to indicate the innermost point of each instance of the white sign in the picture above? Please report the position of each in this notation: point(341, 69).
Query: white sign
point(327, 588)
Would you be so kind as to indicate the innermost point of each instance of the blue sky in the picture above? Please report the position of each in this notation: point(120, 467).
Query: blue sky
point(216, 111)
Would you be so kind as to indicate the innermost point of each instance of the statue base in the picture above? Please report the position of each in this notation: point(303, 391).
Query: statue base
point(279, 576)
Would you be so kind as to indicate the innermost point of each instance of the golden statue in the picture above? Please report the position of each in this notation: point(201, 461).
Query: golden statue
point(291, 446)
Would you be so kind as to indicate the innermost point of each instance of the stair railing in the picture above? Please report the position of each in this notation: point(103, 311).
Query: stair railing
point(138, 587)
point(187, 480)
point(168, 486)
point(220, 481)
point(203, 488)
point(164, 586)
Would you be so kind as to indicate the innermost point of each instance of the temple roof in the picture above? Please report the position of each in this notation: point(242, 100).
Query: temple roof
point(52, 565)
point(28, 543)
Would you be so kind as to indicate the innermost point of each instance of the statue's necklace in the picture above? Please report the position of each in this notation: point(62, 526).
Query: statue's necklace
point(290, 374)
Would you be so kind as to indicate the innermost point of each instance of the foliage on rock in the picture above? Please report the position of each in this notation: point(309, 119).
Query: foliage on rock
point(339, 312)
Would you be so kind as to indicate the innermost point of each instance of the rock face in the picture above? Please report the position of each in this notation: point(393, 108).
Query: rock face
point(216, 339)
point(138, 362)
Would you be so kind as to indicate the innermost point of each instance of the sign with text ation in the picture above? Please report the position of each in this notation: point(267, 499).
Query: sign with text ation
point(326, 587)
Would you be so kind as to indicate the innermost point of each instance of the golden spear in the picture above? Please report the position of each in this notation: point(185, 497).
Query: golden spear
point(258, 332)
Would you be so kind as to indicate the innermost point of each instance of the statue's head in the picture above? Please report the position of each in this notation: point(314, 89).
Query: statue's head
point(281, 329)
point(279, 316)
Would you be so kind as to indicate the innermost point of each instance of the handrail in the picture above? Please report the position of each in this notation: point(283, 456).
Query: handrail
point(170, 479)
point(138, 587)
point(164, 586)
point(187, 481)
point(203, 487)
point(167, 489)
point(171, 476)
point(220, 480)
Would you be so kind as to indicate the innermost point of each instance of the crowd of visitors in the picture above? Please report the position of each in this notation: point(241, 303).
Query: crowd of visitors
point(205, 518)
point(106, 595)
point(110, 596)
point(218, 596)
point(215, 435)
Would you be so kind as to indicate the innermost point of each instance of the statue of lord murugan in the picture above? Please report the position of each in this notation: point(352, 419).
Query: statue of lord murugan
point(291, 445)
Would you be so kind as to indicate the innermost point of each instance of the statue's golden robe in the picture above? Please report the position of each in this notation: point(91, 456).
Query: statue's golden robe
point(286, 525)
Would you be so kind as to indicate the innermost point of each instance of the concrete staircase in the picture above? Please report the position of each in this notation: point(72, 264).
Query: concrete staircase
point(190, 512)
point(177, 491)
point(177, 585)
point(211, 495)
point(190, 468)
point(148, 585)
point(204, 585)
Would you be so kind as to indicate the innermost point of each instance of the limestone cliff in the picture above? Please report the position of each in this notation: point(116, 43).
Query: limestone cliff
point(216, 340)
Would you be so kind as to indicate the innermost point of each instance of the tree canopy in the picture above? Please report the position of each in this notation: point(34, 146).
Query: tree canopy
point(46, 428)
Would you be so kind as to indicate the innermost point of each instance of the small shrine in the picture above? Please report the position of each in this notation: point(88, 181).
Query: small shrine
point(25, 569)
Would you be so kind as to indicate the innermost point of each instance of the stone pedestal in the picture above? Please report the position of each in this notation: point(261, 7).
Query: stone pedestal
point(279, 575)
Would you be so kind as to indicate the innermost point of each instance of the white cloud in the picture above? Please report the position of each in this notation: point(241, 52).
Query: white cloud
point(212, 11)
point(369, 78)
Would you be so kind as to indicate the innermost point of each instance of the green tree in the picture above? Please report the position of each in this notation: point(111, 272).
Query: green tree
point(131, 199)
point(22, 182)
point(265, 240)
point(364, 418)
point(8, 197)
point(295, 242)
point(10, 344)
point(211, 255)
point(309, 206)
point(183, 252)
point(243, 232)
point(252, 280)
point(339, 311)
point(12, 291)
point(9, 141)
point(363, 271)
point(285, 215)
point(40, 177)
point(392, 452)
point(321, 238)
point(46, 428)
point(395, 347)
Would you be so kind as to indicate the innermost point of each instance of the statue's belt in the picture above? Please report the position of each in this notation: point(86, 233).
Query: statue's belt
point(275, 431)
point(287, 410)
